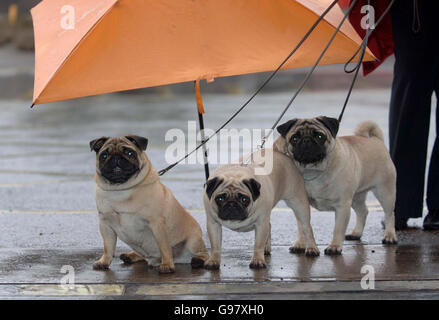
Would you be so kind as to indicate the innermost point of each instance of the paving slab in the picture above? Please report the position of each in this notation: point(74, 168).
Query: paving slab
point(402, 268)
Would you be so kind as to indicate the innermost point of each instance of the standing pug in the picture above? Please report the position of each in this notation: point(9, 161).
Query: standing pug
point(338, 172)
point(237, 198)
point(136, 207)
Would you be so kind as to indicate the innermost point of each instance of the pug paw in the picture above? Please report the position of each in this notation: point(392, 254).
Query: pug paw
point(297, 248)
point(131, 257)
point(211, 264)
point(390, 239)
point(258, 264)
point(99, 265)
point(352, 237)
point(333, 250)
point(165, 268)
point(312, 252)
point(126, 258)
point(197, 263)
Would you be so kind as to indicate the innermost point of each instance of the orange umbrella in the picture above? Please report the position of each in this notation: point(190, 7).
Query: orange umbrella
point(116, 45)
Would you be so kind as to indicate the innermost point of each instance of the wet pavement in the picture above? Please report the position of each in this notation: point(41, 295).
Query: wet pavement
point(48, 214)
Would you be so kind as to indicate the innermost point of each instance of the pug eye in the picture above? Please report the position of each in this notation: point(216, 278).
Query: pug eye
point(129, 153)
point(244, 199)
point(295, 137)
point(220, 198)
point(319, 136)
point(104, 155)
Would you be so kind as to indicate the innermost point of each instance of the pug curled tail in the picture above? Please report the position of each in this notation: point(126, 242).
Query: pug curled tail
point(369, 129)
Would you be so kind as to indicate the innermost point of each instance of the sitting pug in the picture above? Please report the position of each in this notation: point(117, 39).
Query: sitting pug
point(237, 198)
point(136, 207)
point(339, 172)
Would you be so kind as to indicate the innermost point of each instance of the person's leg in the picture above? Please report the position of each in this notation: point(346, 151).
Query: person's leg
point(431, 221)
point(409, 115)
point(409, 128)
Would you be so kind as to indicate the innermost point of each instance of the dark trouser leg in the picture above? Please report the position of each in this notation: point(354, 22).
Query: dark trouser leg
point(431, 221)
point(409, 128)
point(410, 105)
point(433, 171)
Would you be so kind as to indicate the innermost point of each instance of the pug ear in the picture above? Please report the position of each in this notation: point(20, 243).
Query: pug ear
point(254, 187)
point(331, 123)
point(140, 142)
point(284, 128)
point(96, 144)
point(212, 185)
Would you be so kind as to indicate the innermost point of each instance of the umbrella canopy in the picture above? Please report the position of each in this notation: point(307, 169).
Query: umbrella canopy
point(127, 44)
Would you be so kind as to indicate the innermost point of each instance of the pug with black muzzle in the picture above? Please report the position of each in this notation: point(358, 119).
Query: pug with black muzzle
point(339, 172)
point(136, 207)
point(241, 198)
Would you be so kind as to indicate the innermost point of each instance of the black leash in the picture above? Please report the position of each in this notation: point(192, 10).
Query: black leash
point(362, 49)
point(308, 75)
point(163, 171)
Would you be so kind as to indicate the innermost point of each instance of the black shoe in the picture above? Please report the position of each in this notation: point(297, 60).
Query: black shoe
point(401, 224)
point(431, 221)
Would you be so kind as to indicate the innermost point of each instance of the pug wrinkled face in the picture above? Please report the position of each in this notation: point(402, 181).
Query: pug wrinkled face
point(233, 199)
point(309, 139)
point(118, 159)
